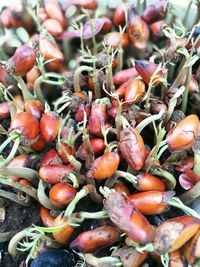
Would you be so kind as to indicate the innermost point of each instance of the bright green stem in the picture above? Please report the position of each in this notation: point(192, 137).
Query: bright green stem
point(149, 120)
point(185, 94)
point(12, 152)
point(176, 202)
point(21, 172)
point(127, 176)
point(13, 197)
point(7, 141)
point(43, 199)
point(196, 168)
point(167, 175)
point(25, 92)
point(24, 188)
point(76, 78)
point(6, 236)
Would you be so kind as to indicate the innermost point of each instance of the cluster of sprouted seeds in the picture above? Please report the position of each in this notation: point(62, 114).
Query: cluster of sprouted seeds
point(107, 102)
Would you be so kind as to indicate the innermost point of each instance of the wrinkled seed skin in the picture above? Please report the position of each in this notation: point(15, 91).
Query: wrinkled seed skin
point(53, 174)
point(192, 249)
point(175, 259)
point(132, 147)
point(173, 233)
point(138, 32)
point(97, 118)
point(92, 240)
point(97, 145)
point(51, 158)
point(129, 256)
point(128, 219)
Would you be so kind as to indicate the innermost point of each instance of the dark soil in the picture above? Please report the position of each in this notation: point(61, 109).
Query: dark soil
point(17, 218)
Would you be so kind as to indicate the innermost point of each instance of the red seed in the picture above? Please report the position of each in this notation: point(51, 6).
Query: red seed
point(148, 182)
point(97, 145)
point(51, 158)
point(92, 240)
point(146, 69)
point(184, 134)
point(124, 75)
point(27, 125)
point(17, 162)
point(22, 61)
point(150, 202)
point(53, 174)
point(34, 107)
point(134, 91)
point(61, 194)
point(137, 29)
point(173, 233)
point(53, 26)
point(50, 51)
point(46, 218)
point(113, 39)
point(54, 10)
point(132, 147)
point(104, 166)
point(49, 126)
point(97, 118)
point(128, 219)
point(61, 148)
